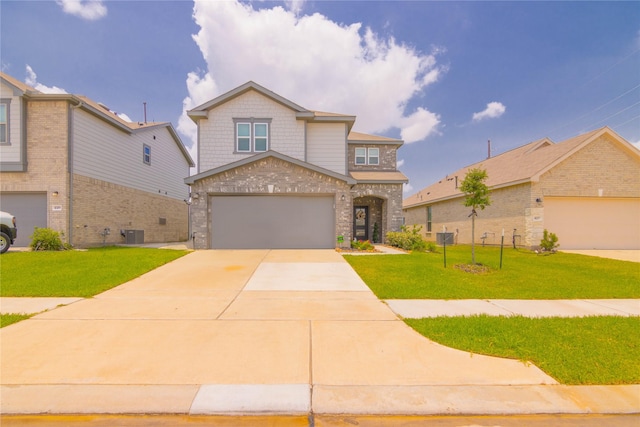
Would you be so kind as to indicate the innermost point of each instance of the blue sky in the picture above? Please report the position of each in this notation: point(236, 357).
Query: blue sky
point(444, 76)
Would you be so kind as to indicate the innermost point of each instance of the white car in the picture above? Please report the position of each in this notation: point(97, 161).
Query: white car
point(8, 231)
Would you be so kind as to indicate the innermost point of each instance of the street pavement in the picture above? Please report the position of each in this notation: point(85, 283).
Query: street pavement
point(262, 332)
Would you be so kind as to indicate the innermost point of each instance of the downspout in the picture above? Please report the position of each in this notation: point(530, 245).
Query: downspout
point(70, 133)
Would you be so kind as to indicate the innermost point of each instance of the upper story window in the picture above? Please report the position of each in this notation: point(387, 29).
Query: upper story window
point(374, 156)
point(367, 156)
point(252, 135)
point(4, 122)
point(146, 154)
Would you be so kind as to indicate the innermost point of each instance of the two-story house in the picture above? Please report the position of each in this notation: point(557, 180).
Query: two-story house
point(272, 174)
point(72, 165)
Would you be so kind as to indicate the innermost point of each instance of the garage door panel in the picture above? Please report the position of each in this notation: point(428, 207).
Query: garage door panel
point(594, 223)
point(30, 210)
point(272, 222)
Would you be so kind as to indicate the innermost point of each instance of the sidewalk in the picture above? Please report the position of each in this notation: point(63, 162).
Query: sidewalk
point(262, 332)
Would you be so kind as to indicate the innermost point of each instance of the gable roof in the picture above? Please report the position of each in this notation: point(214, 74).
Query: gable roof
point(202, 110)
point(248, 160)
point(520, 165)
point(363, 138)
point(97, 109)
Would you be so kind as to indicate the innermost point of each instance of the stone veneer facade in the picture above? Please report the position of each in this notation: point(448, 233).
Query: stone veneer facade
point(288, 178)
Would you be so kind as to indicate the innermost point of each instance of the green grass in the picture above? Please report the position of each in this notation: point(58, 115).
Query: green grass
point(524, 275)
point(77, 273)
point(587, 350)
point(8, 319)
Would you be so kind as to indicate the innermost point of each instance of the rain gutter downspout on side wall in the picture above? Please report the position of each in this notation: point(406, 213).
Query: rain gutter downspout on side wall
point(70, 133)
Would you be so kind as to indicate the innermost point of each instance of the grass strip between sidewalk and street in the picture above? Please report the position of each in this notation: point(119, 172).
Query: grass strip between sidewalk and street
point(578, 351)
point(524, 275)
point(77, 273)
point(10, 318)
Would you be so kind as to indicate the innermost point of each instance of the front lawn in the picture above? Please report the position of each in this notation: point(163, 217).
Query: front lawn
point(524, 275)
point(77, 273)
point(587, 350)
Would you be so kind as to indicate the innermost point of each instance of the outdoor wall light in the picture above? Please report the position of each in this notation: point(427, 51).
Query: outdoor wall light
point(196, 196)
point(539, 200)
point(55, 194)
point(342, 197)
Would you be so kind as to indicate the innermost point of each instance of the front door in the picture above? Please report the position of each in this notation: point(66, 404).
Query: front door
point(361, 222)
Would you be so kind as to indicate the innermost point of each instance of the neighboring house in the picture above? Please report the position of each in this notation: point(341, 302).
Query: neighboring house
point(70, 164)
point(272, 174)
point(585, 189)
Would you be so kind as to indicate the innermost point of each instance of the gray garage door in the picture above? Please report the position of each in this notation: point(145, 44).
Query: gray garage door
point(272, 222)
point(30, 210)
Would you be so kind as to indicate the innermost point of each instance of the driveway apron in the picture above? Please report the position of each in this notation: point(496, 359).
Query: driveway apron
point(276, 331)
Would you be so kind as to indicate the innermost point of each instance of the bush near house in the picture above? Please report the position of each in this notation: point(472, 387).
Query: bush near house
point(549, 241)
point(46, 239)
point(407, 239)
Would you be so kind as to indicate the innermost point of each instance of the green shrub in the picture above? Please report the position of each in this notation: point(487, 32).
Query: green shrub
point(46, 239)
point(549, 241)
point(407, 239)
point(431, 247)
point(362, 245)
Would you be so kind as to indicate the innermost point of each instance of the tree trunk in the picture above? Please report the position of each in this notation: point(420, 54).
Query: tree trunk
point(473, 238)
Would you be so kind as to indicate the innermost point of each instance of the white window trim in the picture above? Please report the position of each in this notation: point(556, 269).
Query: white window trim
point(367, 156)
point(7, 103)
point(144, 154)
point(377, 157)
point(252, 122)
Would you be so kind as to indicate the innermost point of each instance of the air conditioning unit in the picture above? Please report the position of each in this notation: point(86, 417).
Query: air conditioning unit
point(134, 237)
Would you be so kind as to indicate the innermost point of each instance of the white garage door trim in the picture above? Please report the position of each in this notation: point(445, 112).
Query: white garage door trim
point(272, 222)
point(594, 222)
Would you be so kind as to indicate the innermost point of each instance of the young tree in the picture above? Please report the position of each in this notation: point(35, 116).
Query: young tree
point(476, 196)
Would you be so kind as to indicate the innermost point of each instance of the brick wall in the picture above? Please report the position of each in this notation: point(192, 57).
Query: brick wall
point(99, 204)
point(256, 178)
point(510, 208)
point(47, 168)
point(384, 200)
point(602, 165)
point(388, 160)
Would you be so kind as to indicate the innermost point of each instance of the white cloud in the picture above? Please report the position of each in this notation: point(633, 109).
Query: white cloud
point(314, 62)
point(419, 125)
point(31, 80)
point(493, 110)
point(90, 10)
point(407, 188)
point(399, 163)
point(636, 144)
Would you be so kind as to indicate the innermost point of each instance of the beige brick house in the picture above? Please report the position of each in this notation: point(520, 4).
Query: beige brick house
point(272, 174)
point(70, 164)
point(585, 189)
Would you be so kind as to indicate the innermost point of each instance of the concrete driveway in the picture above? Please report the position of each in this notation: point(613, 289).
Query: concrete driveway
point(261, 331)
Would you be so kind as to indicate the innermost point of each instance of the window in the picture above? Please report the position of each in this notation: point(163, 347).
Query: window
point(252, 135)
point(4, 122)
point(260, 137)
point(367, 156)
point(244, 136)
point(428, 219)
point(374, 156)
point(146, 154)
